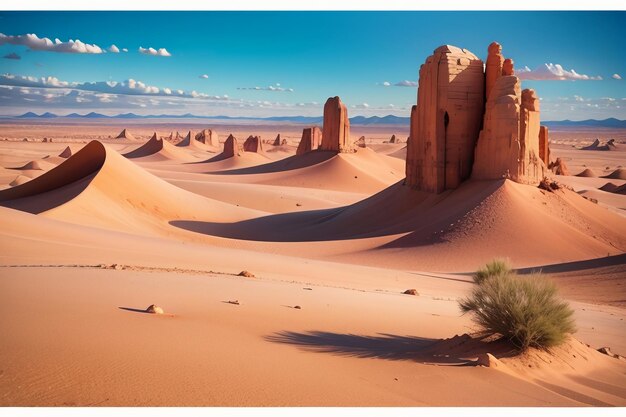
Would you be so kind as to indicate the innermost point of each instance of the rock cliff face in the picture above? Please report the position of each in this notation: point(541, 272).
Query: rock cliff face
point(508, 145)
point(253, 144)
point(544, 145)
point(231, 147)
point(208, 137)
point(310, 141)
point(446, 121)
point(336, 131)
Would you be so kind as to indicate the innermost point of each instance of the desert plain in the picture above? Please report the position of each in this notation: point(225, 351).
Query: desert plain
point(330, 241)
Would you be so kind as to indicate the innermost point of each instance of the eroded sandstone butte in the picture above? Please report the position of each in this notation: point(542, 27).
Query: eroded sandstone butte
point(446, 121)
point(253, 144)
point(310, 141)
point(208, 137)
point(336, 130)
point(231, 147)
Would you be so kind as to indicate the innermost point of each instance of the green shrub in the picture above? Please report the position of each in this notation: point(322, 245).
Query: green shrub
point(494, 268)
point(524, 309)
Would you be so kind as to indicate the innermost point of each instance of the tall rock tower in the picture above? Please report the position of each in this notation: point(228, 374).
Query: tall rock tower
point(446, 121)
point(336, 130)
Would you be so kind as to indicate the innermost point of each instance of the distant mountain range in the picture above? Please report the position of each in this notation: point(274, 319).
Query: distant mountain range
point(357, 120)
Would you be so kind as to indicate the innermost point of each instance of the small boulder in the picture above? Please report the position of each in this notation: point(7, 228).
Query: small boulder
point(412, 291)
point(153, 309)
point(246, 274)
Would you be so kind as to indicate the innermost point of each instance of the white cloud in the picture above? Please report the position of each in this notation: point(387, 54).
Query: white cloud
point(155, 52)
point(114, 49)
point(36, 43)
point(205, 76)
point(616, 77)
point(552, 72)
point(124, 49)
point(274, 87)
point(386, 83)
point(406, 83)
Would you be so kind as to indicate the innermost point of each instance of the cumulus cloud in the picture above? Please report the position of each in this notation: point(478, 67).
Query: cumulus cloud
point(614, 76)
point(406, 83)
point(12, 55)
point(124, 49)
point(155, 52)
point(205, 76)
point(114, 49)
point(274, 87)
point(128, 87)
point(35, 43)
point(552, 72)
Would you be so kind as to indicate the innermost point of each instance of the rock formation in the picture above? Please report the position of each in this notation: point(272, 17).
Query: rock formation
point(208, 137)
point(493, 67)
point(558, 167)
point(446, 121)
point(336, 130)
point(393, 139)
point(507, 67)
point(277, 141)
point(508, 145)
point(544, 145)
point(361, 142)
point(310, 141)
point(231, 147)
point(253, 144)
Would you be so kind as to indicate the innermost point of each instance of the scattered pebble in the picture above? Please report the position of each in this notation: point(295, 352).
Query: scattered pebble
point(412, 291)
point(308, 289)
point(235, 302)
point(297, 307)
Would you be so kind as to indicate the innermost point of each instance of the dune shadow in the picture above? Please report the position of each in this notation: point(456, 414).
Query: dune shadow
point(457, 351)
point(134, 310)
point(614, 260)
point(287, 164)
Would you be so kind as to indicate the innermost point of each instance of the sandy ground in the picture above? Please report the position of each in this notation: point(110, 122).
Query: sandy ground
point(91, 240)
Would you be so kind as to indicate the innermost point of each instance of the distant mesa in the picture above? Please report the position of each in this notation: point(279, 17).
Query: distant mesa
point(208, 137)
point(360, 142)
point(253, 144)
point(473, 122)
point(231, 147)
point(125, 134)
point(67, 152)
point(587, 173)
point(310, 141)
point(336, 129)
point(559, 167)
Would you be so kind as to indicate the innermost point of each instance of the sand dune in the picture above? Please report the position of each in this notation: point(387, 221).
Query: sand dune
point(157, 150)
point(612, 188)
point(587, 173)
point(618, 174)
point(87, 189)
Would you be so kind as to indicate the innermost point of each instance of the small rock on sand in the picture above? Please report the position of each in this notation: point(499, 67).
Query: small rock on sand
point(412, 291)
point(297, 307)
point(246, 274)
point(153, 309)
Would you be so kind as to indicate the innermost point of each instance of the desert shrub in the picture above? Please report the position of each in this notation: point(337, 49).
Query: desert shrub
point(524, 309)
point(495, 268)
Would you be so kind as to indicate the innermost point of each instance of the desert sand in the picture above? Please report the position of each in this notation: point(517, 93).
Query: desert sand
point(89, 253)
point(277, 277)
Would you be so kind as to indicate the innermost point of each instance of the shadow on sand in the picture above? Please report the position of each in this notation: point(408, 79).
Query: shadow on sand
point(134, 310)
point(457, 351)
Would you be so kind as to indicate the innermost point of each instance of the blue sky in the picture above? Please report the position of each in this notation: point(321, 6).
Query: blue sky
point(315, 54)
